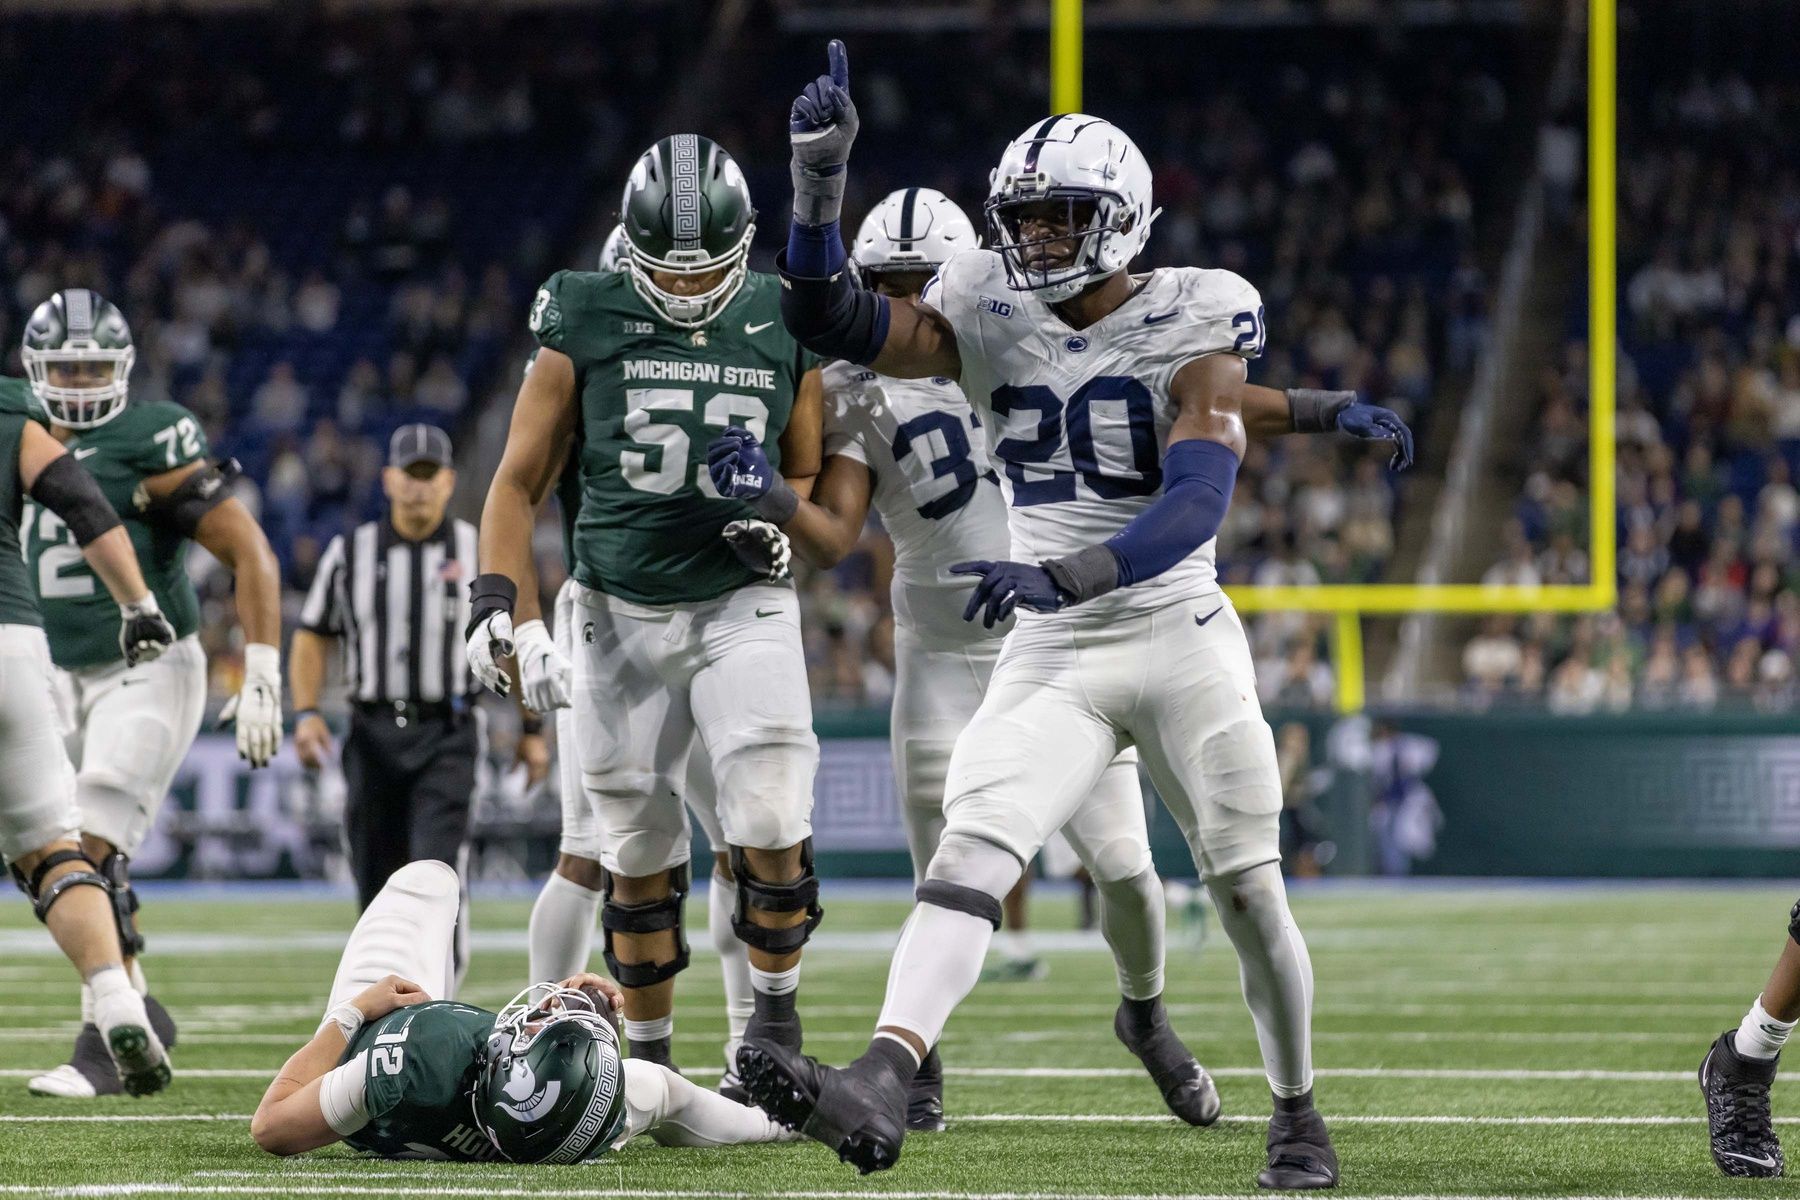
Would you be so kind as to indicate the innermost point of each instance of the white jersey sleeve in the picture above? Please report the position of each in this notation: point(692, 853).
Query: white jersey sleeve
point(932, 483)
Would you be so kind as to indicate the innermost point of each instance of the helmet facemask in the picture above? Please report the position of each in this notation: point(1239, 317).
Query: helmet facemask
point(505, 1077)
point(690, 312)
point(1111, 217)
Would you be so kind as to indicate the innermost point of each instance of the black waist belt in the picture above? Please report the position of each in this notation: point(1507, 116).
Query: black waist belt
point(405, 712)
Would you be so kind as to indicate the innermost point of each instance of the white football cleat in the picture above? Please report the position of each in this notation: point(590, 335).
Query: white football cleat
point(64, 1082)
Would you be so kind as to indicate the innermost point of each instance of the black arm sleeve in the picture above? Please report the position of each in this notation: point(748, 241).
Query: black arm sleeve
point(832, 317)
point(198, 495)
point(67, 490)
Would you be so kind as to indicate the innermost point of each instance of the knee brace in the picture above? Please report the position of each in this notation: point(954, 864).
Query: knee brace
point(649, 916)
point(116, 868)
point(802, 895)
point(42, 900)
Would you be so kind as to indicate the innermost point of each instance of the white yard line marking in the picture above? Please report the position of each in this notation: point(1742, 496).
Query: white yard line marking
point(1011, 1119)
point(291, 1187)
point(1522, 1075)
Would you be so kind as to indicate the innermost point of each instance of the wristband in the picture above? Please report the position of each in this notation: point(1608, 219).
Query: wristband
point(347, 1017)
point(305, 713)
point(1316, 411)
point(489, 594)
point(1089, 572)
point(779, 504)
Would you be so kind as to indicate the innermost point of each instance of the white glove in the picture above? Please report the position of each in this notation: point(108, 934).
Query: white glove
point(489, 642)
point(144, 633)
point(760, 546)
point(256, 708)
point(543, 669)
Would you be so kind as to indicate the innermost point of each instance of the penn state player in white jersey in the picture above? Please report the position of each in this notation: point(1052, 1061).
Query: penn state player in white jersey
point(914, 449)
point(1114, 403)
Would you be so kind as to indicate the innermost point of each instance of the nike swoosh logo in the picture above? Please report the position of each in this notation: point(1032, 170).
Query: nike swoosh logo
point(1159, 318)
point(755, 329)
point(1200, 620)
point(772, 612)
point(1759, 1160)
point(83, 451)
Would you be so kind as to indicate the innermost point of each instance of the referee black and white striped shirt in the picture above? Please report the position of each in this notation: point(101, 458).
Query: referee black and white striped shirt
point(400, 608)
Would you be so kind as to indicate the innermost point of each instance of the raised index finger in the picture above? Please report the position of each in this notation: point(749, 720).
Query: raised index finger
point(840, 63)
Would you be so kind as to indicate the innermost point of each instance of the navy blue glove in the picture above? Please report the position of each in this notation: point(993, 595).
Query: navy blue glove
point(1006, 585)
point(1373, 423)
point(825, 102)
point(738, 465)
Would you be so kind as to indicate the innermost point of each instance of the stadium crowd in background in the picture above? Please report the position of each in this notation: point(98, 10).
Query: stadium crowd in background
point(1708, 434)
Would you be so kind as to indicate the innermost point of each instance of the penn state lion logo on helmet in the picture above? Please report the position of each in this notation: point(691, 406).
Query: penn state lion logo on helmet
point(78, 355)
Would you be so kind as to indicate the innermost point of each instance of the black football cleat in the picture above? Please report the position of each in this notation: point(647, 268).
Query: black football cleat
point(90, 1071)
point(1744, 1144)
point(858, 1111)
point(925, 1096)
point(730, 1086)
point(1185, 1086)
point(1300, 1153)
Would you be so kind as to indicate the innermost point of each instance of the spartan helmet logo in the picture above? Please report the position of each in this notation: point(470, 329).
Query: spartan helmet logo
point(522, 1086)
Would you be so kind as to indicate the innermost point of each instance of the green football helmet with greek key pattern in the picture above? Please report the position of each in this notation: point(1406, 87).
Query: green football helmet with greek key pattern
point(551, 1084)
point(687, 211)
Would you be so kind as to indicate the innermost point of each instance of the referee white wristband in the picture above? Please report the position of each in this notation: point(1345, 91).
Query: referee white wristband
point(347, 1017)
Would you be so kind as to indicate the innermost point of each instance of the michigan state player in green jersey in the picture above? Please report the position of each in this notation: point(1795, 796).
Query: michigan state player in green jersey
point(39, 824)
point(394, 1072)
point(129, 726)
point(677, 638)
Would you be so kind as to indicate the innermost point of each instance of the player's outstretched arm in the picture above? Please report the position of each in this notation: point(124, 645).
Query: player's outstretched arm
point(1269, 413)
point(537, 446)
point(1206, 443)
point(313, 1101)
point(55, 480)
point(824, 310)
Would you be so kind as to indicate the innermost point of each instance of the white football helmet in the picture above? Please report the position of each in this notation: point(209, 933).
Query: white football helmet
point(1076, 159)
point(913, 229)
point(615, 252)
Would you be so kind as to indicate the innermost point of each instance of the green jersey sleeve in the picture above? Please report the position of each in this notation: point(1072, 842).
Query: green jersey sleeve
point(547, 321)
point(169, 437)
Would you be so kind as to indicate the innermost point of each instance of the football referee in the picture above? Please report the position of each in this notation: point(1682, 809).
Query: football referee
point(394, 593)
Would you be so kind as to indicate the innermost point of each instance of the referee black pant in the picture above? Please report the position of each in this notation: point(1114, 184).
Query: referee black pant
point(409, 771)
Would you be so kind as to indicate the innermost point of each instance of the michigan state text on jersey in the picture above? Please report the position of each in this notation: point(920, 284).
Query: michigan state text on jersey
point(676, 638)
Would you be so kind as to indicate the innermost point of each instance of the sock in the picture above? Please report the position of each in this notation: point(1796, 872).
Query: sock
point(106, 982)
point(561, 931)
point(935, 965)
point(135, 973)
point(655, 1029)
point(1760, 1035)
point(774, 991)
point(892, 1054)
point(1131, 919)
point(1274, 970)
point(1145, 1014)
point(734, 960)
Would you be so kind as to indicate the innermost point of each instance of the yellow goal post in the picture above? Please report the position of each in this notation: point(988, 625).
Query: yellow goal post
point(1350, 603)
